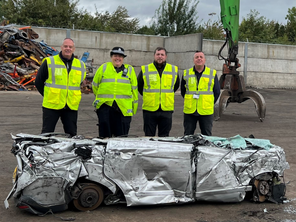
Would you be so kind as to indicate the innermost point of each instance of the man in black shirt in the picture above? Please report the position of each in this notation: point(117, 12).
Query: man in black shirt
point(58, 80)
point(157, 83)
point(200, 89)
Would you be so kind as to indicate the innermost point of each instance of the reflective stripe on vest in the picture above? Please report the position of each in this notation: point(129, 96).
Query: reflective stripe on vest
point(147, 73)
point(53, 66)
point(61, 87)
point(113, 86)
point(116, 96)
point(208, 92)
point(203, 102)
point(159, 91)
point(113, 80)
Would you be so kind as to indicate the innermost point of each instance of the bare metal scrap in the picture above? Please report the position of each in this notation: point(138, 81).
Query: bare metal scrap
point(53, 171)
point(21, 55)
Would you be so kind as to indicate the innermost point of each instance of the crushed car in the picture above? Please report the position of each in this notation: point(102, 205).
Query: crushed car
point(54, 172)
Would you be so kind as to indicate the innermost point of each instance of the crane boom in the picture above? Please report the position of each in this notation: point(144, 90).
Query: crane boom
point(231, 83)
point(230, 21)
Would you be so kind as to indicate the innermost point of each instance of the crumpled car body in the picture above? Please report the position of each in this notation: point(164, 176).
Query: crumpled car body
point(54, 172)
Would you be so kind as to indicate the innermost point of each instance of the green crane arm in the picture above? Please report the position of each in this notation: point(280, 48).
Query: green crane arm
point(232, 84)
point(230, 21)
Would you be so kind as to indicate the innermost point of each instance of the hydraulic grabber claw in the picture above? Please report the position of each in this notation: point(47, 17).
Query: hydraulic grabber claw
point(221, 104)
point(231, 83)
point(233, 90)
point(225, 99)
point(259, 102)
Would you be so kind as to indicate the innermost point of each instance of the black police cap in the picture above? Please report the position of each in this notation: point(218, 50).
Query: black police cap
point(117, 50)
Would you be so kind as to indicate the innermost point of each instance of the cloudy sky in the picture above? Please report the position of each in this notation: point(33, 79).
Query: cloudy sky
point(144, 9)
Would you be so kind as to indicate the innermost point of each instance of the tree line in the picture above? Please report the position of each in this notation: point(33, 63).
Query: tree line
point(173, 17)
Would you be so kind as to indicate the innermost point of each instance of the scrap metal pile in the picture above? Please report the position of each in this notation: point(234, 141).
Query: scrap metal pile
point(20, 57)
point(86, 86)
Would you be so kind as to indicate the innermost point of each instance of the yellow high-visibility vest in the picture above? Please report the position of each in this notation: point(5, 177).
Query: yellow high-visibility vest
point(159, 91)
point(62, 88)
point(201, 97)
point(122, 87)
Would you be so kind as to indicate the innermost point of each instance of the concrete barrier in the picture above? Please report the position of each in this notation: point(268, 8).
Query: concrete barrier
point(267, 65)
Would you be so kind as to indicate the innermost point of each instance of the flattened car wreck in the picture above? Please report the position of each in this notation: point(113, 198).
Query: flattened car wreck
point(53, 171)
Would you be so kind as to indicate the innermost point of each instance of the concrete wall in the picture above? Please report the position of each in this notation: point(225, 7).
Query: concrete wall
point(267, 65)
point(181, 49)
point(139, 48)
point(272, 66)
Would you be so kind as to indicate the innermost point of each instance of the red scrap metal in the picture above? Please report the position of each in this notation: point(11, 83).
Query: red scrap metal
point(20, 57)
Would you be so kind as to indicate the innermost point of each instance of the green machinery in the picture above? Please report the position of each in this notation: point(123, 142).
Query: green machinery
point(232, 84)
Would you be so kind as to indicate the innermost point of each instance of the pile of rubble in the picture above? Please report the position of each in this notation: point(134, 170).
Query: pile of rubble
point(20, 57)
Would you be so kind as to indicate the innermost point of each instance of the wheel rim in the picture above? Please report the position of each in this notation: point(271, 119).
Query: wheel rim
point(263, 187)
point(90, 197)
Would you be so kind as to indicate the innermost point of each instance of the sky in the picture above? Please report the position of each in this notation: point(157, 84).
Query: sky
point(145, 9)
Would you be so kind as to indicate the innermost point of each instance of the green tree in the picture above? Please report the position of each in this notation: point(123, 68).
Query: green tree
point(98, 22)
point(65, 14)
point(120, 21)
point(211, 30)
point(256, 29)
point(52, 13)
point(1, 10)
point(291, 24)
point(280, 34)
point(176, 17)
point(280, 30)
point(145, 30)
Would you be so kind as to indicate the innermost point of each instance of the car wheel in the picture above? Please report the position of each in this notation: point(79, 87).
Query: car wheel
point(90, 197)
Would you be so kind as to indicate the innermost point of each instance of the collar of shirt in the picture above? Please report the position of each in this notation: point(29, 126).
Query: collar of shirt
point(121, 68)
point(159, 67)
point(198, 74)
point(65, 59)
point(67, 62)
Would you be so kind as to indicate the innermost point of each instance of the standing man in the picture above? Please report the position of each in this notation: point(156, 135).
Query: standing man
point(200, 89)
point(58, 80)
point(157, 83)
point(116, 91)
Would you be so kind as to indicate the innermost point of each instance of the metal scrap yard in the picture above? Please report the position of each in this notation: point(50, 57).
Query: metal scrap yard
point(21, 112)
point(78, 133)
point(21, 54)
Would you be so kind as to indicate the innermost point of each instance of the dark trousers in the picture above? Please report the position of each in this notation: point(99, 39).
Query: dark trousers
point(112, 122)
point(205, 124)
point(68, 118)
point(162, 119)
